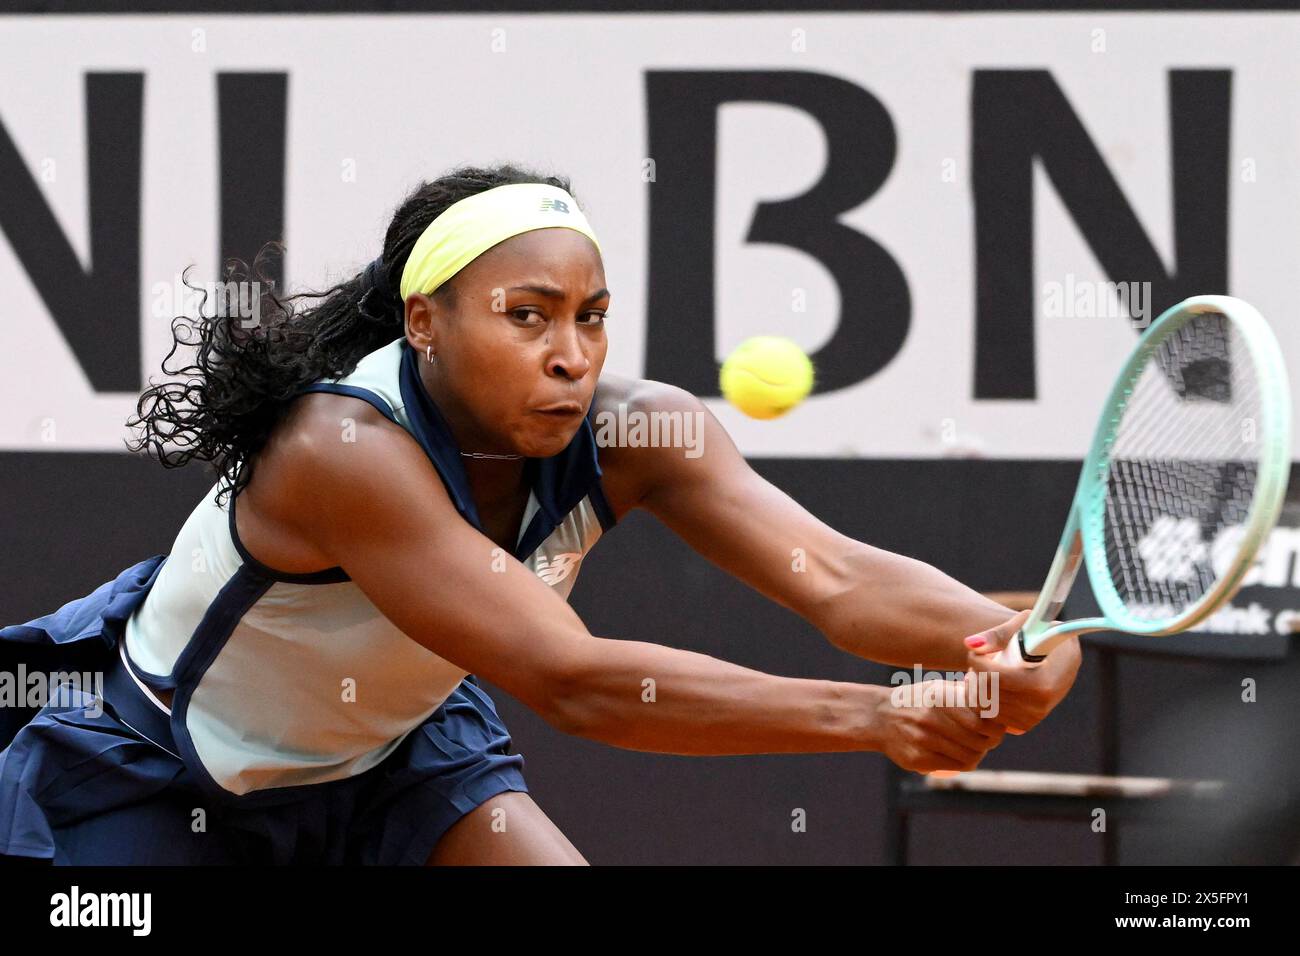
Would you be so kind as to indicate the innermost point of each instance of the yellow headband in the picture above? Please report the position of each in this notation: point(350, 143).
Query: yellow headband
point(475, 224)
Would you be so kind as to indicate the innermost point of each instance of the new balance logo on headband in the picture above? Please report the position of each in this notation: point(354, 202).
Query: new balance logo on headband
point(555, 205)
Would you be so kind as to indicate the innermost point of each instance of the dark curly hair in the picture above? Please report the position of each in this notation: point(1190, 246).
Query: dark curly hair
point(242, 379)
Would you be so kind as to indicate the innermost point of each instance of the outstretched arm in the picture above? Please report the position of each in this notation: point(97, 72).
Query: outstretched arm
point(873, 603)
point(865, 600)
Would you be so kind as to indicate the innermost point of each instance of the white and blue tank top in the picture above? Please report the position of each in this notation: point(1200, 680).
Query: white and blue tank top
point(282, 680)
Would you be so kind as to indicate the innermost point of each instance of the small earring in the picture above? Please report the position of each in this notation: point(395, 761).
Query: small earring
point(428, 352)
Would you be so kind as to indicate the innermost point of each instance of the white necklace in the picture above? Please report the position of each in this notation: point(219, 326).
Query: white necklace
point(481, 454)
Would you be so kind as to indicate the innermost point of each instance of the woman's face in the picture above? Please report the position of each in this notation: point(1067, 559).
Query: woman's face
point(518, 343)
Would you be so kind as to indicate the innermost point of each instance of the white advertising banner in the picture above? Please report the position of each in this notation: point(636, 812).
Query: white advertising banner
point(375, 104)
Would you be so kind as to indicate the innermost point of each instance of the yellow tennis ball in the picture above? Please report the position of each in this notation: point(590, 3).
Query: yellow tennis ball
point(766, 376)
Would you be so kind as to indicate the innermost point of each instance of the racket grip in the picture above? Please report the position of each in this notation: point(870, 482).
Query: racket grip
point(1014, 654)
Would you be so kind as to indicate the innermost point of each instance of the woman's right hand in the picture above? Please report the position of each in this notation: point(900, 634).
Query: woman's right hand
point(927, 726)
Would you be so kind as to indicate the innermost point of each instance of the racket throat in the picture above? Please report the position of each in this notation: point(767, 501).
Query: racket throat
point(1032, 639)
point(1059, 580)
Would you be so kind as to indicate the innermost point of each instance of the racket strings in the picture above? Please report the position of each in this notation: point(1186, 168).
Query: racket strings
point(1181, 468)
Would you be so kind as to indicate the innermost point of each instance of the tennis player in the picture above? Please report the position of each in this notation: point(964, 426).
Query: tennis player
point(409, 482)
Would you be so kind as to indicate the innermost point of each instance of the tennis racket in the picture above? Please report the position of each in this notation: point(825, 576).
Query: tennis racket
point(1183, 483)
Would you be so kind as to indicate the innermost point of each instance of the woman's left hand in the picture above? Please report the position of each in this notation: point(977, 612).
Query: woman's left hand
point(1025, 693)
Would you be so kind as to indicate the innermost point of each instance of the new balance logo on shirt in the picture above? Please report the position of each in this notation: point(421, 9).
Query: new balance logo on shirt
point(556, 569)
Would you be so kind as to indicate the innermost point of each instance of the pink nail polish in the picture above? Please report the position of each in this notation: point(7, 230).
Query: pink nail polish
point(974, 642)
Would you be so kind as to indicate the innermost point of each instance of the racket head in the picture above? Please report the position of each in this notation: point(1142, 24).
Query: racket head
point(1188, 469)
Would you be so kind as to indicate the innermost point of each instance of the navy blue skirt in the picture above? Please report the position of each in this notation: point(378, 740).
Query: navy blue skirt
point(93, 776)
